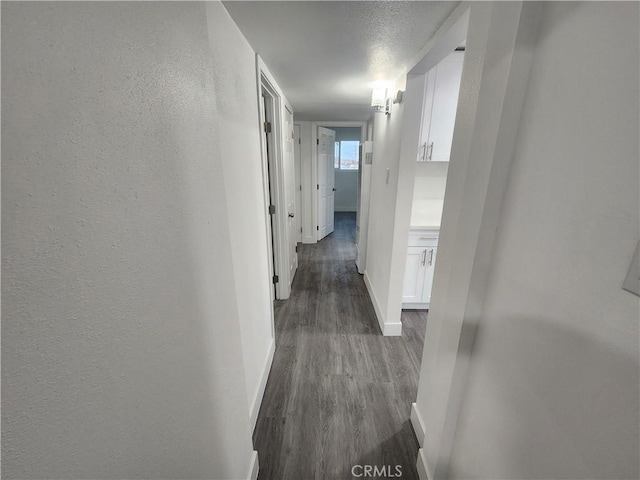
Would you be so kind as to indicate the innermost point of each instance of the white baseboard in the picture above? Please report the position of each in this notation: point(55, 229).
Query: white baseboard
point(415, 306)
point(257, 401)
point(387, 329)
point(254, 467)
point(344, 209)
point(418, 424)
point(424, 472)
point(309, 239)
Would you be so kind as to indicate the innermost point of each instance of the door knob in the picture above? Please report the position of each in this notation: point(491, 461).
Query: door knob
point(333, 189)
point(291, 215)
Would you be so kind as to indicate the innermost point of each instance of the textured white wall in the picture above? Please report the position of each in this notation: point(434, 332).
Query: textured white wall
point(121, 345)
point(242, 164)
point(553, 386)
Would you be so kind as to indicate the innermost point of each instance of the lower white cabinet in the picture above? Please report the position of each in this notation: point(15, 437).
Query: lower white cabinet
point(418, 274)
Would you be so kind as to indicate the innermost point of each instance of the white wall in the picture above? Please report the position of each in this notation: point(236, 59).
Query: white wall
point(382, 204)
point(553, 385)
point(346, 199)
point(121, 338)
point(431, 181)
point(245, 198)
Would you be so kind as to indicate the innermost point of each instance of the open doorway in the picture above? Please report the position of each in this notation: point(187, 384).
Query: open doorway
point(338, 168)
point(441, 91)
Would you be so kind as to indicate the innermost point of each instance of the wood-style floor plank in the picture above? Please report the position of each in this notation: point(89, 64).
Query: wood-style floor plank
point(339, 393)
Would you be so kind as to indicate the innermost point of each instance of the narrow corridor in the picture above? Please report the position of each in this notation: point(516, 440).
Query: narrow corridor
point(339, 393)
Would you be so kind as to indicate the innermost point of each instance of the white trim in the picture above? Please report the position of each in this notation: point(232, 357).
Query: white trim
point(344, 210)
point(257, 401)
point(387, 329)
point(280, 233)
point(254, 467)
point(415, 306)
point(494, 81)
point(424, 472)
point(418, 424)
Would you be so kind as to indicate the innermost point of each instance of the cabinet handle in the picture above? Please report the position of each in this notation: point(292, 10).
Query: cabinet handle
point(430, 257)
point(430, 151)
point(424, 256)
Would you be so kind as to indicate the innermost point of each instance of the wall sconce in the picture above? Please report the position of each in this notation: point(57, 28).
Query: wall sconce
point(378, 99)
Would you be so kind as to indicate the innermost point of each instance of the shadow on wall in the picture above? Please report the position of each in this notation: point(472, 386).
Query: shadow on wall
point(549, 402)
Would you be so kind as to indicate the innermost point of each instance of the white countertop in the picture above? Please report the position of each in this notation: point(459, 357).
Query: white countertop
point(426, 213)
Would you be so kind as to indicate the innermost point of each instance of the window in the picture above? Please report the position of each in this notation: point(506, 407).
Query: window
point(347, 153)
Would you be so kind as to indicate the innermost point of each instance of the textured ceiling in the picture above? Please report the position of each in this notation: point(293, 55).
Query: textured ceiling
point(326, 55)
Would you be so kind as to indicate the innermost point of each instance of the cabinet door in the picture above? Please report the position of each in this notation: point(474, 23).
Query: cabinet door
point(445, 104)
point(427, 107)
point(414, 275)
point(430, 263)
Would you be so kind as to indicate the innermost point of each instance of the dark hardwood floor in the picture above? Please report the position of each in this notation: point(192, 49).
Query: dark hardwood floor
point(339, 393)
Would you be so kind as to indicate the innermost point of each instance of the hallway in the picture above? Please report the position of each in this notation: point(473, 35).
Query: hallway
point(339, 393)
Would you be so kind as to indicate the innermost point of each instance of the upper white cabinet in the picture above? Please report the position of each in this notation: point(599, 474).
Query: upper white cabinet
point(439, 109)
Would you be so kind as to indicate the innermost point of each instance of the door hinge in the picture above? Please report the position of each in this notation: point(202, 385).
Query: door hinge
point(299, 141)
point(296, 248)
point(272, 209)
point(317, 227)
point(317, 141)
point(267, 127)
point(317, 186)
point(300, 187)
point(275, 279)
point(300, 229)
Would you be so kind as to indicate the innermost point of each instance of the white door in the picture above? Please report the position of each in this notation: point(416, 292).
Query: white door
point(441, 103)
point(326, 181)
point(298, 167)
point(445, 104)
point(290, 192)
point(414, 275)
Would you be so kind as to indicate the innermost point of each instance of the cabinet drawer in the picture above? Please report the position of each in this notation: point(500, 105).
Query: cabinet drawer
point(423, 238)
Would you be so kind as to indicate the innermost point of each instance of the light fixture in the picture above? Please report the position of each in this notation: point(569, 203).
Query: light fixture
point(378, 99)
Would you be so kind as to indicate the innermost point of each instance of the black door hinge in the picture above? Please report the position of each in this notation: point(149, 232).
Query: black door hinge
point(317, 227)
point(272, 209)
point(317, 187)
point(296, 248)
point(267, 127)
point(317, 141)
point(275, 279)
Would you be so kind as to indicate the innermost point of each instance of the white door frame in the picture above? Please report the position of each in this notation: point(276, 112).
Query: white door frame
point(314, 159)
point(274, 179)
point(494, 81)
point(297, 149)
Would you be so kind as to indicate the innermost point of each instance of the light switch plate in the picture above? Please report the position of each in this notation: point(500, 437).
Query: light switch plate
point(632, 282)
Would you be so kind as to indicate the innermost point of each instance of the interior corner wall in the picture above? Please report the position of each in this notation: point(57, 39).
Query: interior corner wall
point(121, 343)
point(242, 164)
point(553, 386)
point(308, 192)
point(387, 131)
